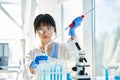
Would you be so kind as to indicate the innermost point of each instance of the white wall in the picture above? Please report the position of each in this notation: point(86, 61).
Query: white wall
point(88, 32)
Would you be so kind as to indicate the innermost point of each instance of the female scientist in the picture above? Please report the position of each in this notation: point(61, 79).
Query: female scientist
point(45, 27)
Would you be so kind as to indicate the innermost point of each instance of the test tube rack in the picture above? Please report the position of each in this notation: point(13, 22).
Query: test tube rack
point(53, 69)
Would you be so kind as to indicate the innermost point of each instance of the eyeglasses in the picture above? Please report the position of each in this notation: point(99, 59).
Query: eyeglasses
point(48, 30)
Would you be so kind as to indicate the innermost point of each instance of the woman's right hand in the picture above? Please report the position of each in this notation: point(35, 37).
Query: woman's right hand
point(37, 60)
point(77, 22)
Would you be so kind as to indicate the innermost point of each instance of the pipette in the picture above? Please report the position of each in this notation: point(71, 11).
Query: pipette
point(82, 16)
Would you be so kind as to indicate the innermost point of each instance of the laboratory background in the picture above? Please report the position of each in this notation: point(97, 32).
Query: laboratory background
point(98, 34)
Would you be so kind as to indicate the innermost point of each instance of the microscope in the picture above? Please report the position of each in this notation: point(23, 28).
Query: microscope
point(80, 65)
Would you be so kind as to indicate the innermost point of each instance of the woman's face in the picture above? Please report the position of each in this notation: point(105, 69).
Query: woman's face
point(45, 32)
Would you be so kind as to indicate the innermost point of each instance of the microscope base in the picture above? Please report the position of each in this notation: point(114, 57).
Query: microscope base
point(81, 77)
point(84, 79)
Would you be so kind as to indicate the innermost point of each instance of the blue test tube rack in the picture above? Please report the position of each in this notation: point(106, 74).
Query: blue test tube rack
point(53, 70)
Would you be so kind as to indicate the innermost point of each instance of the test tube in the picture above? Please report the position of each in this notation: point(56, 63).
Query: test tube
point(106, 73)
point(44, 72)
point(47, 70)
point(60, 73)
point(51, 67)
point(68, 76)
point(40, 72)
point(55, 72)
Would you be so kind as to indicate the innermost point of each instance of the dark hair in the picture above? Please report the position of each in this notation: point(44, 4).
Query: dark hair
point(46, 19)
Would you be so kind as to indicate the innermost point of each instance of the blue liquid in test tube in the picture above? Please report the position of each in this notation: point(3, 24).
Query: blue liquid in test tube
point(68, 76)
point(55, 72)
point(106, 73)
point(50, 72)
point(44, 74)
point(61, 70)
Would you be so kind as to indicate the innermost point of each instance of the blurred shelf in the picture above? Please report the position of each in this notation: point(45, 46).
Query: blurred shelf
point(9, 69)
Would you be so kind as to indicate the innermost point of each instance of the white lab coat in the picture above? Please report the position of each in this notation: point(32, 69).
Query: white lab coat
point(67, 51)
